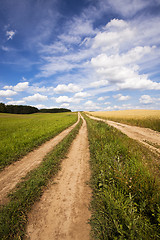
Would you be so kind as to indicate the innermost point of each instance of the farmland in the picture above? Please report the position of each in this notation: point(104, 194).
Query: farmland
point(125, 202)
point(19, 134)
point(125, 180)
point(141, 118)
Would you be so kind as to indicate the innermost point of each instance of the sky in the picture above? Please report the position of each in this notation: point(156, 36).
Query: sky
point(84, 55)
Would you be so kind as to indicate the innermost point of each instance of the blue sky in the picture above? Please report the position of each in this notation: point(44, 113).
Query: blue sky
point(97, 55)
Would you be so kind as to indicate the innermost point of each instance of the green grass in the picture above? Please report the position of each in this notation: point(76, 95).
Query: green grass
point(126, 196)
point(13, 216)
point(20, 134)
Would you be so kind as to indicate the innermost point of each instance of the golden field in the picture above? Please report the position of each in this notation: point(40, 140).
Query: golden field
point(138, 117)
point(129, 114)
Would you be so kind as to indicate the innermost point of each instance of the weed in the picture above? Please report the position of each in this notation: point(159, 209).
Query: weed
point(126, 199)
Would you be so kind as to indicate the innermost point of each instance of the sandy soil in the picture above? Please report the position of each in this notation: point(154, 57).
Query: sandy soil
point(12, 174)
point(62, 212)
point(147, 136)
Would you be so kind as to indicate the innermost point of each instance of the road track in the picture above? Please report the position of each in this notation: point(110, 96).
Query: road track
point(13, 174)
point(62, 212)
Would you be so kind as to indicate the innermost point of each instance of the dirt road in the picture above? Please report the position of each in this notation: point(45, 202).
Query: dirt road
point(62, 213)
point(147, 136)
point(12, 174)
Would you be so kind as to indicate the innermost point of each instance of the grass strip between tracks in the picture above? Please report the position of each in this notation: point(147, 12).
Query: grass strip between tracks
point(126, 197)
point(13, 216)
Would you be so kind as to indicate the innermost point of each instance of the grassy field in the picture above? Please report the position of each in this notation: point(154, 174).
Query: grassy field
point(20, 134)
point(141, 118)
point(126, 197)
point(13, 216)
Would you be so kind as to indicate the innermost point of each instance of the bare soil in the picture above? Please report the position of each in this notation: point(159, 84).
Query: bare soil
point(148, 137)
point(13, 174)
point(62, 212)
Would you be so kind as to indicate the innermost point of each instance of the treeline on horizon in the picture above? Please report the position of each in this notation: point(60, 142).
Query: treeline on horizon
point(23, 109)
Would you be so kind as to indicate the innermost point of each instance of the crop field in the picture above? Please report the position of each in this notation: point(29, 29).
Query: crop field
point(124, 179)
point(141, 118)
point(126, 197)
point(20, 134)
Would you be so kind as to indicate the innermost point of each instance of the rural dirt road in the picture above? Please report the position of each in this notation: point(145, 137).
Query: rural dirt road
point(62, 212)
point(12, 174)
point(148, 137)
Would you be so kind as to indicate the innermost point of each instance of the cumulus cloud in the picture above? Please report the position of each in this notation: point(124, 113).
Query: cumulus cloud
point(116, 33)
point(67, 88)
point(65, 105)
point(63, 99)
point(120, 97)
point(103, 98)
point(100, 83)
point(146, 99)
point(19, 102)
point(123, 70)
point(81, 95)
point(21, 86)
point(35, 98)
point(7, 93)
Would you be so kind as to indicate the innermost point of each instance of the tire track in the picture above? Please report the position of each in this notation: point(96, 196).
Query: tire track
point(12, 174)
point(146, 136)
point(62, 212)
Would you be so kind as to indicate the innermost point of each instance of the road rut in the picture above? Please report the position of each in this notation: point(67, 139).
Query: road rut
point(12, 174)
point(62, 212)
point(148, 137)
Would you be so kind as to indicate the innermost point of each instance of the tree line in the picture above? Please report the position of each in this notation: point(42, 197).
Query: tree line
point(23, 109)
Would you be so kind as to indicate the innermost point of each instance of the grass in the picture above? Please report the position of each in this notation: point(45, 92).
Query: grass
point(126, 196)
point(13, 216)
point(141, 118)
point(20, 134)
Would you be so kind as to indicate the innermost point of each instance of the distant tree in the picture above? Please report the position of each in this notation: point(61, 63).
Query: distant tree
point(21, 109)
point(54, 110)
point(2, 108)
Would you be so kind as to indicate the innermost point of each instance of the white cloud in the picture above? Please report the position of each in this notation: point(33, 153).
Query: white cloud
point(67, 88)
point(65, 105)
point(81, 95)
point(40, 106)
point(63, 99)
point(123, 70)
point(100, 83)
point(120, 97)
point(10, 34)
point(146, 99)
point(42, 89)
point(117, 23)
point(103, 98)
point(113, 37)
point(22, 86)
point(129, 7)
point(35, 98)
point(6, 49)
point(90, 105)
point(57, 47)
point(19, 102)
point(69, 39)
point(7, 93)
